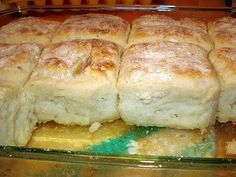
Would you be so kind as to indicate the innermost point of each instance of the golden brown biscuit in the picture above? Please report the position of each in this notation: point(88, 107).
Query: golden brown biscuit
point(16, 64)
point(167, 84)
point(94, 26)
point(28, 30)
point(74, 83)
point(223, 32)
point(150, 28)
point(224, 60)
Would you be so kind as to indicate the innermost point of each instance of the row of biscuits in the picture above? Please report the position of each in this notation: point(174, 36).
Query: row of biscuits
point(164, 77)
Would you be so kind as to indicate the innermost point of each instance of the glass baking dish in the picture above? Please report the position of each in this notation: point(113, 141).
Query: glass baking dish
point(29, 161)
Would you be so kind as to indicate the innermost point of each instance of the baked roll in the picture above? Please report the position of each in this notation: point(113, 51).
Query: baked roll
point(73, 83)
point(224, 61)
point(8, 106)
point(28, 30)
point(223, 32)
point(167, 84)
point(150, 28)
point(94, 26)
point(16, 63)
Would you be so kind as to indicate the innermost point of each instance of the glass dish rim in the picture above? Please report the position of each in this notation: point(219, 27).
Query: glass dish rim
point(142, 161)
point(13, 8)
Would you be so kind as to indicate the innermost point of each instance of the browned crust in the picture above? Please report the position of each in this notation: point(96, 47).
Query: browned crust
point(167, 57)
point(98, 55)
point(163, 28)
point(223, 32)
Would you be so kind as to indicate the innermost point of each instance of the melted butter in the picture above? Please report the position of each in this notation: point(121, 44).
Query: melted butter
point(52, 135)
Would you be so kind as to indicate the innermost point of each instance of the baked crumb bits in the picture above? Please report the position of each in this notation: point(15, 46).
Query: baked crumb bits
point(94, 127)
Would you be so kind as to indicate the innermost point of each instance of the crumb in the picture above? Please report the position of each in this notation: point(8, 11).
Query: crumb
point(231, 147)
point(94, 127)
point(132, 147)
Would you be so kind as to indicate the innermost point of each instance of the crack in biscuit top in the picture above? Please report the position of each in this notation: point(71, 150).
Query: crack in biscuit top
point(69, 55)
point(164, 60)
point(69, 59)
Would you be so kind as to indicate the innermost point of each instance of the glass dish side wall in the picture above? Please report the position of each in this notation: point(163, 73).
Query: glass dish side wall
point(39, 162)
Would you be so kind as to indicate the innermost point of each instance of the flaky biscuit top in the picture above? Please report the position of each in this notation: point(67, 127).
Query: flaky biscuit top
point(167, 62)
point(29, 25)
point(150, 28)
point(72, 59)
point(94, 26)
point(154, 20)
point(223, 32)
point(13, 54)
point(224, 60)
